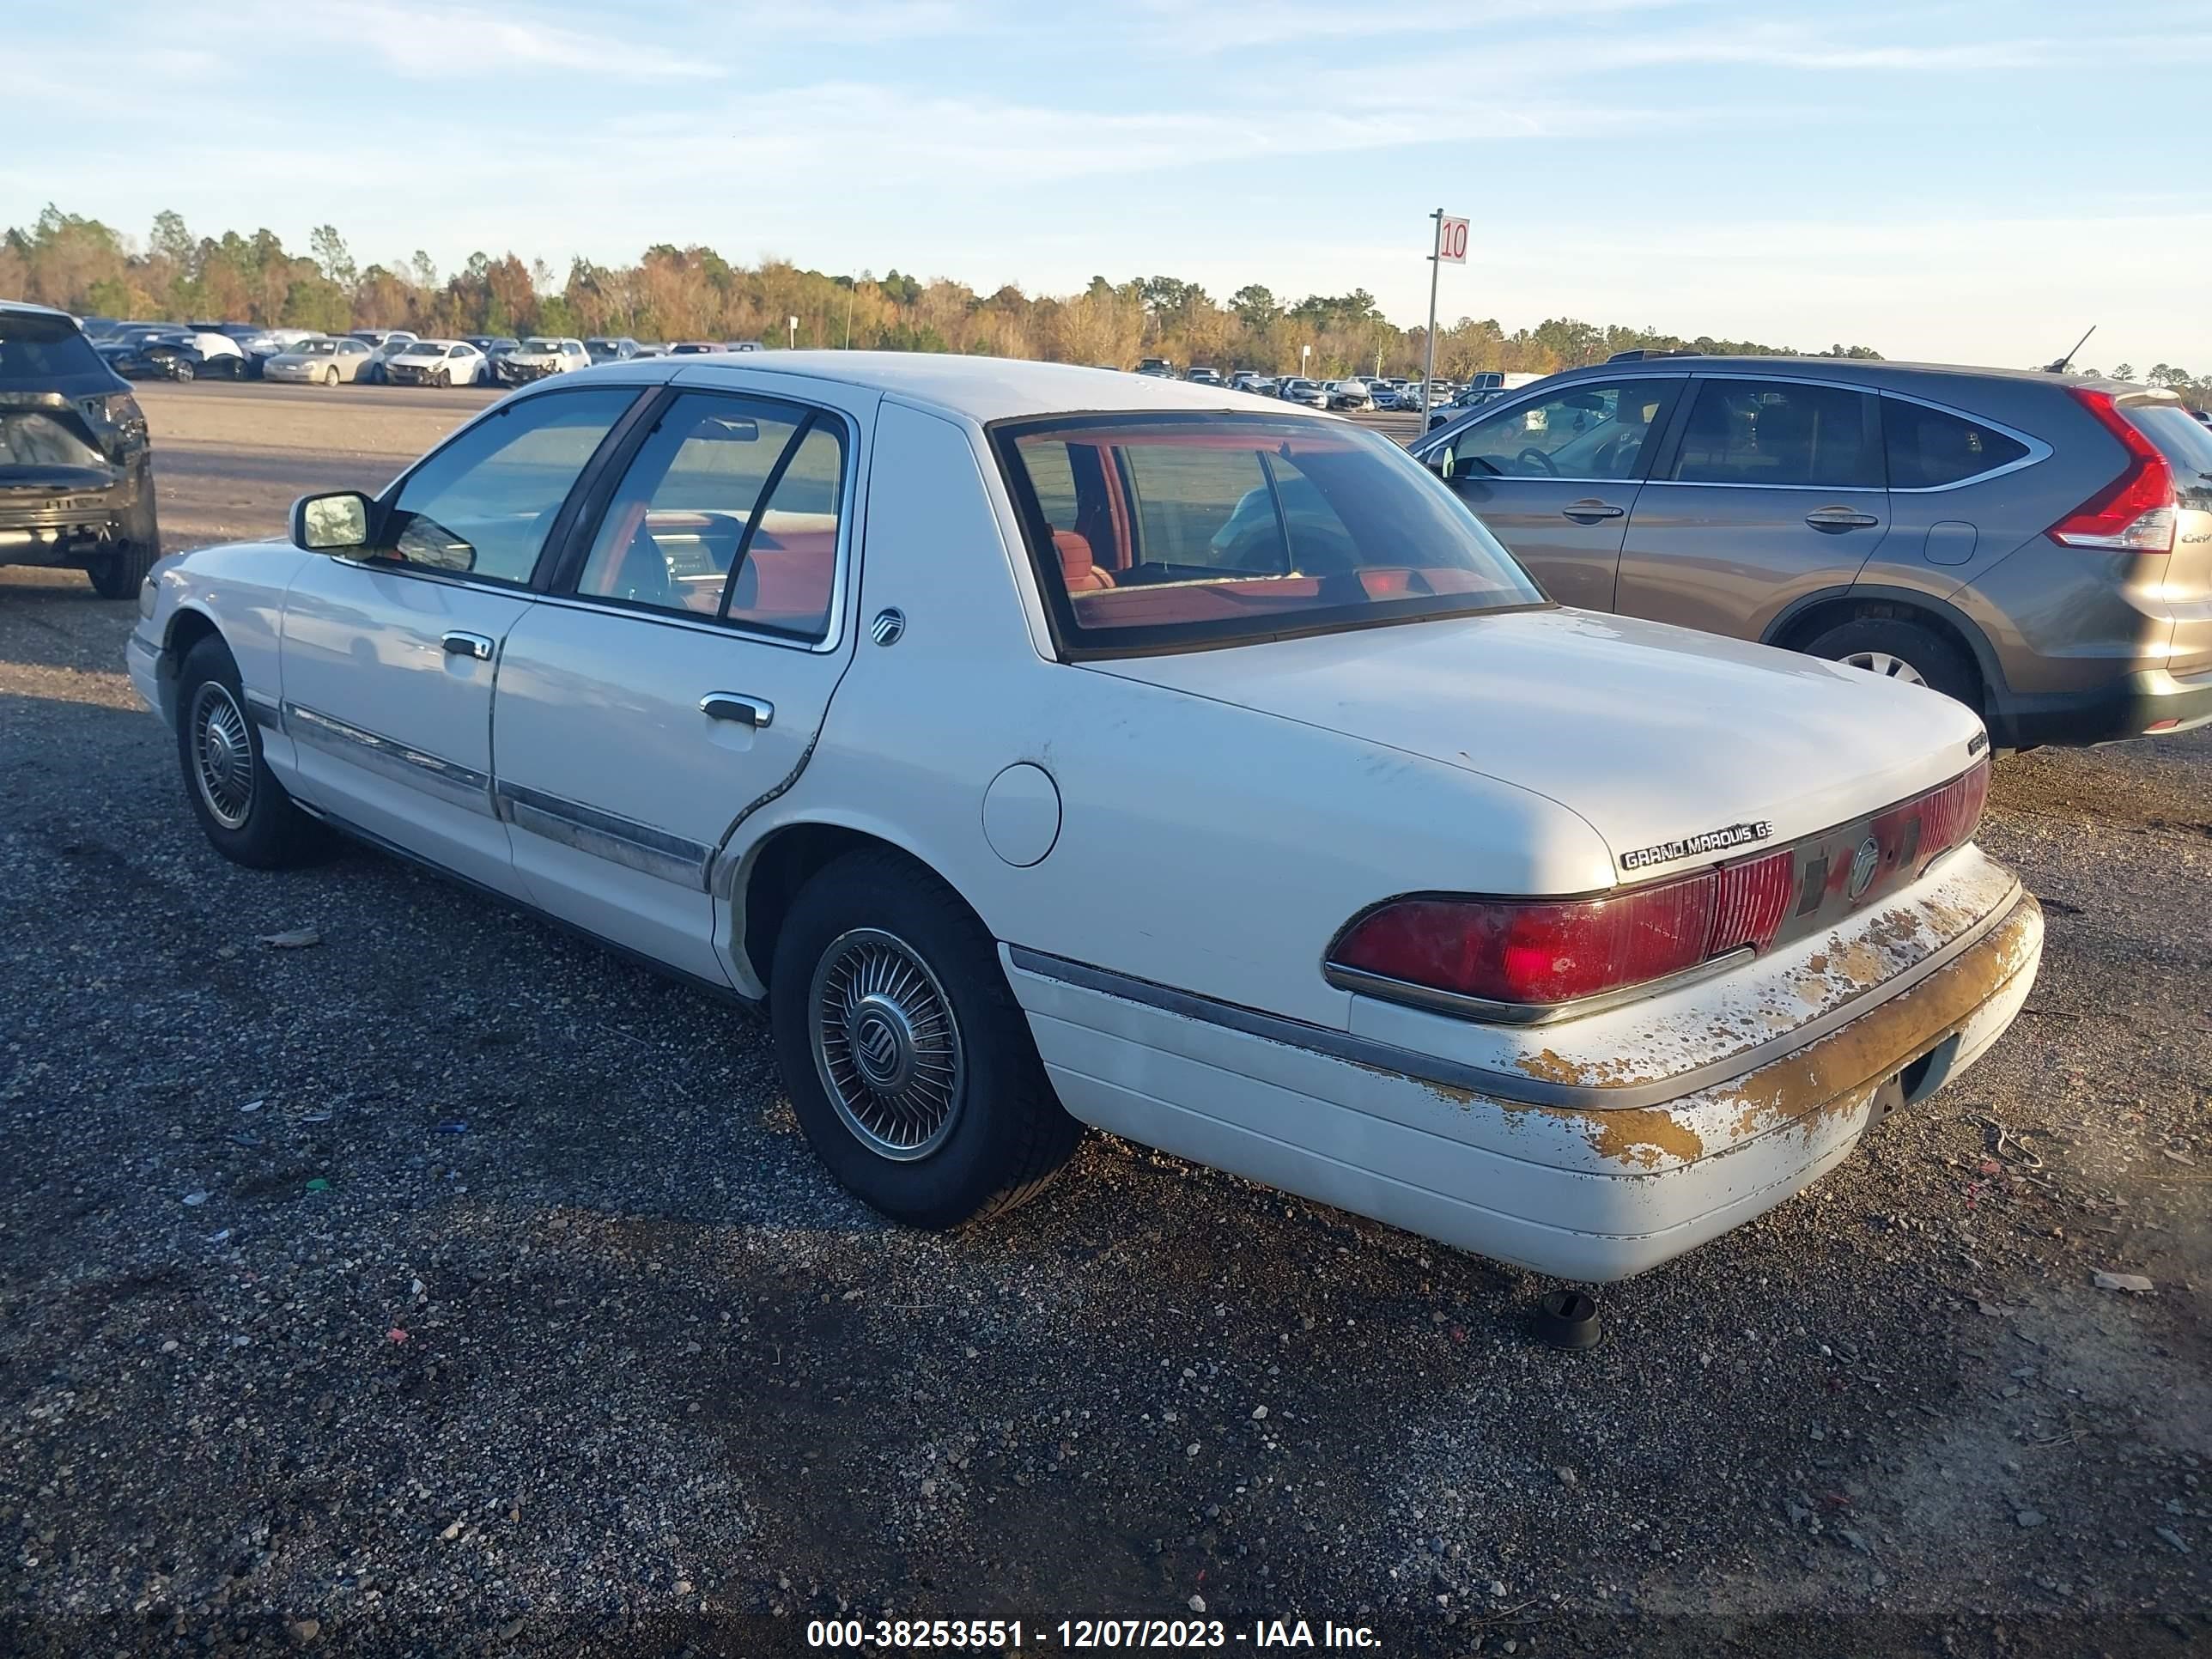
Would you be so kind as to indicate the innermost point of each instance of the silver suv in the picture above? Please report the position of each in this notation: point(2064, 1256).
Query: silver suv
point(2038, 546)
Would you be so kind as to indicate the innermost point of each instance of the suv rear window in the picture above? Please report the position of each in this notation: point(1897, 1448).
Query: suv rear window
point(35, 349)
point(1154, 532)
point(2185, 442)
point(1931, 448)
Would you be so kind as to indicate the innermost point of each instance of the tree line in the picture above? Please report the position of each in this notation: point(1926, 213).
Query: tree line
point(676, 293)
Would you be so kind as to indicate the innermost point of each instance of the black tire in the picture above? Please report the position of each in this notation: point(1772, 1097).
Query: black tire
point(1937, 662)
point(330, 377)
point(266, 831)
point(183, 371)
point(1005, 1133)
point(119, 573)
point(444, 379)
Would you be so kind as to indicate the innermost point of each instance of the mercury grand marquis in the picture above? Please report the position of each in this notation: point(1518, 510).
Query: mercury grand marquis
point(1038, 746)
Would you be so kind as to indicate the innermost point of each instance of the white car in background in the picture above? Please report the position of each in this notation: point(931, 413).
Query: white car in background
point(437, 362)
point(1310, 394)
point(1038, 747)
point(541, 356)
point(318, 361)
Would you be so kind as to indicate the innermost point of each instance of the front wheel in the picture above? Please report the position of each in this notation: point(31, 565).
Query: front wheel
point(905, 1058)
point(330, 377)
point(1901, 651)
point(183, 371)
point(445, 380)
point(248, 817)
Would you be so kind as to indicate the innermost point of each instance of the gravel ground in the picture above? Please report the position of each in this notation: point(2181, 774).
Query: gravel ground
point(449, 1287)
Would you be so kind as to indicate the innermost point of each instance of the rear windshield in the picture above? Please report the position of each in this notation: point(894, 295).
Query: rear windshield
point(1157, 532)
point(39, 349)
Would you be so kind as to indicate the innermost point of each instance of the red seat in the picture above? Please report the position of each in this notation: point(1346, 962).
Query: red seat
point(1077, 571)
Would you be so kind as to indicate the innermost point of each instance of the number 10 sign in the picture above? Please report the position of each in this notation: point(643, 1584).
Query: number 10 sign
point(1451, 241)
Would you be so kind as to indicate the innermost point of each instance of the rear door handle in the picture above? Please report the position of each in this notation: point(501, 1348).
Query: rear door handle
point(755, 712)
point(1840, 518)
point(1591, 510)
point(461, 644)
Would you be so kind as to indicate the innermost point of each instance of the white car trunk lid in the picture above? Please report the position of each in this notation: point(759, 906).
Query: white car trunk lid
point(1654, 735)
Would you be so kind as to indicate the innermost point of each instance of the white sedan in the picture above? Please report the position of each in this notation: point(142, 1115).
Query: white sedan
point(437, 362)
point(1037, 747)
point(542, 355)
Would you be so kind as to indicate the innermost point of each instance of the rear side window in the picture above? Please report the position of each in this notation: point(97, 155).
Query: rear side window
point(729, 510)
point(1780, 432)
point(2185, 442)
point(1931, 448)
point(35, 349)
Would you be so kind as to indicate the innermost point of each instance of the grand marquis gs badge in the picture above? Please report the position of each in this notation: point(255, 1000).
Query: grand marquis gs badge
point(1712, 841)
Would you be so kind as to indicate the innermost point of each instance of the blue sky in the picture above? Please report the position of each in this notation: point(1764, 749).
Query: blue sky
point(1973, 182)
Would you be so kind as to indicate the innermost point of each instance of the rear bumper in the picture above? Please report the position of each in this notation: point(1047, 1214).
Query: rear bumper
point(57, 528)
point(2128, 707)
point(1584, 1192)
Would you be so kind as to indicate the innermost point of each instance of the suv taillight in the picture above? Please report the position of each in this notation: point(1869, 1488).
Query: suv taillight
point(2133, 514)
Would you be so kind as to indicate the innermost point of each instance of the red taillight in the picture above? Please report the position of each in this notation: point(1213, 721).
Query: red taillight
point(1544, 951)
point(1539, 953)
point(2134, 513)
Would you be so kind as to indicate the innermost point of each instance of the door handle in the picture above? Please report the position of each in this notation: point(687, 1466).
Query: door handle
point(755, 712)
point(1840, 518)
point(462, 644)
point(1591, 510)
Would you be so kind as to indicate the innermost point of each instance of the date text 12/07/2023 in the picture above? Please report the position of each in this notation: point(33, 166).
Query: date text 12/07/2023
point(1011, 1635)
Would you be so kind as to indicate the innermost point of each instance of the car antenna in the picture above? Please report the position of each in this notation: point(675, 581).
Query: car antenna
point(2059, 367)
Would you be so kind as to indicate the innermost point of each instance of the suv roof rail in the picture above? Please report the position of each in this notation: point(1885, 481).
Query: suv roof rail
point(1641, 352)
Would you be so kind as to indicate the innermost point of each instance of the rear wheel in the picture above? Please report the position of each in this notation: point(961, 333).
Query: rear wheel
point(247, 816)
point(908, 1063)
point(1901, 651)
point(119, 573)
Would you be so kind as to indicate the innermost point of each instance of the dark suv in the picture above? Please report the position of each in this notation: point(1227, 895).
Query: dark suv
point(76, 484)
point(2037, 545)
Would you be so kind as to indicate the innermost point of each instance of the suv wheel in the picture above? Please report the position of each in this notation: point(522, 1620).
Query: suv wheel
point(1901, 651)
point(247, 816)
point(118, 574)
point(908, 1063)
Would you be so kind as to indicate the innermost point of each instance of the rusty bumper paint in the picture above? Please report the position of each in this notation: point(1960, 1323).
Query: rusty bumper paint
point(1581, 1191)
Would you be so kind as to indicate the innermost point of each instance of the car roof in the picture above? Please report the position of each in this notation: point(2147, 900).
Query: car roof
point(1871, 369)
point(25, 309)
point(983, 388)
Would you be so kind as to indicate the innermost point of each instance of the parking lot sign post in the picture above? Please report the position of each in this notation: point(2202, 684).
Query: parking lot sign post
point(1450, 244)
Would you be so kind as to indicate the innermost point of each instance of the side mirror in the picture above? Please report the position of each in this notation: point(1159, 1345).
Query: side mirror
point(1439, 461)
point(336, 523)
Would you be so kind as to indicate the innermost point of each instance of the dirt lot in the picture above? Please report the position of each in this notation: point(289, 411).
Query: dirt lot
point(449, 1286)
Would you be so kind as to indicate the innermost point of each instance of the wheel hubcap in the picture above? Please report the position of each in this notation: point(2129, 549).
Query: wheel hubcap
point(1889, 667)
point(886, 1046)
point(223, 755)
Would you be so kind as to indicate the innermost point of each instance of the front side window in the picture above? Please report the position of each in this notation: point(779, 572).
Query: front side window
point(729, 510)
point(1781, 432)
point(482, 505)
point(1594, 432)
point(1154, 531)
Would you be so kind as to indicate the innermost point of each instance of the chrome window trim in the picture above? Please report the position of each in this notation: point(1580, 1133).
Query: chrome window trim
point(639, 846)
point(1512, 1087)
point(847, 507)
point(449, 780)
point(2038, 451)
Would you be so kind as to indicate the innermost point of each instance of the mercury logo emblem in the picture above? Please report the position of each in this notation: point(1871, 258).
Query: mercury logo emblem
point(879, 1048)
point(1864, 863)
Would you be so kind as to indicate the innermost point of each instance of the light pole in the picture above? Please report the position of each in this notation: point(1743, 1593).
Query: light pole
point(793, 323)
point(1304, 352)
point(849, 292)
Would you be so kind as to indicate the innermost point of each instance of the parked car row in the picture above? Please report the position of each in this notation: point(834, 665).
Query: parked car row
point(397, 356)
